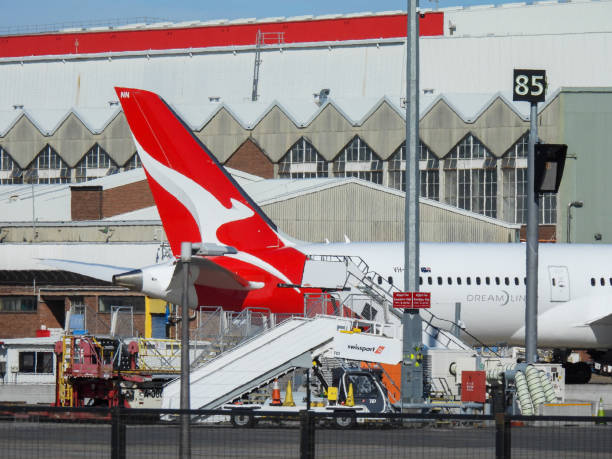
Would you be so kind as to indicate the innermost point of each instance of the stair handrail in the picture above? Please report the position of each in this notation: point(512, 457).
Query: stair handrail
point(198, 334)
point(235, 322)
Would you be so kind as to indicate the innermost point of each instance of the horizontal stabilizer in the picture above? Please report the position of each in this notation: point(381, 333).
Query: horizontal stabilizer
point(213, 275)
point(97, 271)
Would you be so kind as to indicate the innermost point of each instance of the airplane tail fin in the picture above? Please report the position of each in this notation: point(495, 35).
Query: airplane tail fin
point(197, 199)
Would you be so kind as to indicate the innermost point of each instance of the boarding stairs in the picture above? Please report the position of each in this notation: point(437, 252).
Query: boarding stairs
point(370, 295)
point(256, 362)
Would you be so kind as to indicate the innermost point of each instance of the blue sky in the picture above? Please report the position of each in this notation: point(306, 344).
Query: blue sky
point(38, 12)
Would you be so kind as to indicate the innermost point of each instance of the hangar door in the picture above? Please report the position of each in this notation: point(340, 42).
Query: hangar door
point(559, 283)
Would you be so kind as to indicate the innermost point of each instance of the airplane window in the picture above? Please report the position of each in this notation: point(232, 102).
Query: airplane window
point(497, 280)
point(420, 280)
point(477, 280)
point(379, 280)
point(593, 281)
point(468, 280)
point(429, 280)
point(611, 281)
point(439, 280)
point(487, 280)
point(506, 281)
point(525, 280)
point(450, 280)
point(554, 282)
point(516, 281)
point(602, 281)
point(458, 281)
point(390, 280)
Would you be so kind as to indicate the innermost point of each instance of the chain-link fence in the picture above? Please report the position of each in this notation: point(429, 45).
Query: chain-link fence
point(31, 432)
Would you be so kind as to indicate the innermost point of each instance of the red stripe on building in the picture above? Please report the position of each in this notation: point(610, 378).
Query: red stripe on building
point(341, 29)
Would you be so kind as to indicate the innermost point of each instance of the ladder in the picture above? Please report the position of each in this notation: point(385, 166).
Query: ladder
point(262, 39)
point(64, 388)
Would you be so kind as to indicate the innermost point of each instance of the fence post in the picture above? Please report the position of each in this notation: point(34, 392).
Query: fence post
point(502, 421)
point(307, 435)
point(502, 436)
point(117, 433)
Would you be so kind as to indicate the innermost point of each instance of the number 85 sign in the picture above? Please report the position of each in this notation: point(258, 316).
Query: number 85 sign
point(529, 85)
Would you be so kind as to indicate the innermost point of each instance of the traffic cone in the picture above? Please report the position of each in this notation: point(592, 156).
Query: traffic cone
point(288, 396)
point(600, 411)
point(350, 399)
point(276, 400)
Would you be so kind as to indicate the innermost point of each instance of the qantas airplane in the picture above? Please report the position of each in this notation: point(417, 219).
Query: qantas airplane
point(246, 261)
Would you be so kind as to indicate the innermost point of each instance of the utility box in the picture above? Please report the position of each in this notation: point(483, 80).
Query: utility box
point(473, 386)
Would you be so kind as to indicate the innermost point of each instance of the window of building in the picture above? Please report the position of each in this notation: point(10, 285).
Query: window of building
point(470, 174)
point(106, 303)
point(18, 304)
point(35, 362)
point(302, 161)
point(514, 172)
point(428, 170)
point(133, 163)
point(48, 167)
point(10, 172)
point(357, 159)
point(95, 164)
point(548, 209)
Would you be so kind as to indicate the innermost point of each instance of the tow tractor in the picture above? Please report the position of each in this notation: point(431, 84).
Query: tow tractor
point(353, 390)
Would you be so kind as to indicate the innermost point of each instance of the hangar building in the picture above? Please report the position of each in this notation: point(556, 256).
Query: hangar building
point(317, 103)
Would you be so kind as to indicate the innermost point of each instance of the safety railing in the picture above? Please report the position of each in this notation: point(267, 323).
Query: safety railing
point(159, 355)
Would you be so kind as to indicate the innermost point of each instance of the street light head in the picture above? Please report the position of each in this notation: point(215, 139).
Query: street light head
point(576, 204)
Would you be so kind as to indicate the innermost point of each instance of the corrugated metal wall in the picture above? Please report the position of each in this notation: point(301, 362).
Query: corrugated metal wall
point(367, 214)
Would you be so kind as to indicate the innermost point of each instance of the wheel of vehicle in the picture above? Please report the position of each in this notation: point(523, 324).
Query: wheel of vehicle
point(243, 420)
point(345, 422)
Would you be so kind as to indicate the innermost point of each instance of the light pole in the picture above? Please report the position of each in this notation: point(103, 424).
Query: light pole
point(577, 204)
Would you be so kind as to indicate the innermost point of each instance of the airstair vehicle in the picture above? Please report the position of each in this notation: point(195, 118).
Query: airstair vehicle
point(256, 362)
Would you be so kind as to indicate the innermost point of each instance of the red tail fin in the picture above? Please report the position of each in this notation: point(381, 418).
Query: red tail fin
point(196, 198)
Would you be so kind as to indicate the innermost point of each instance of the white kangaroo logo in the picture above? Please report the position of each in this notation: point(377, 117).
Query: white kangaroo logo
point(204, 207)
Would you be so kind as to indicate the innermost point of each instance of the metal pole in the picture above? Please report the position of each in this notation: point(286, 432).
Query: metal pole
point(33, 211)
point(569, 222)
point(412, 373)
point(185, 446)
point(456, 327)
point(531, 309)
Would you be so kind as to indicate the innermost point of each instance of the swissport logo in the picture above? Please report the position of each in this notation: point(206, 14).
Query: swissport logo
point(375, 350)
